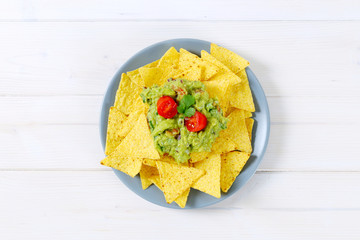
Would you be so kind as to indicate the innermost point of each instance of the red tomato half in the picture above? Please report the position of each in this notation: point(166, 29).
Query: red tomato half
point(166, 107)
point(196, 123)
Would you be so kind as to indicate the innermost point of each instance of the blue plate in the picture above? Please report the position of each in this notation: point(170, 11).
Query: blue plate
point(261, 127)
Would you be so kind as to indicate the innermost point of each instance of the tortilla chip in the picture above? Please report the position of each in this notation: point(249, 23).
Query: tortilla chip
point(210, 182)
point(231, 165)
point(127, 164)
point(223, 143)
point(115, 123)
point(136, 78)
point(238, 132)
point(225, 72)
point(145, 173)
point(151, 76)
point(191, 75)
point(249, 126)
point(247, 114)
point(164, 158)
point(153, 64)
point(240, 94)
point(176, 179)
point(189, 62)
point(181, 200)
point(198, 156)
point(230, 59)
point(128, 97)
point(217, 89)
point(138, 143)
point(170, 58)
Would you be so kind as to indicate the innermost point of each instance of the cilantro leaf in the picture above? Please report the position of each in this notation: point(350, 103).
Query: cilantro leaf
point(189, 112)
point(188, 100)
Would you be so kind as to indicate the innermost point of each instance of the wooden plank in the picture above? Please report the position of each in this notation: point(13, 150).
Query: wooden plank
point(36, 10)
point(307, 147)
point(93, 205)
point(290, 58)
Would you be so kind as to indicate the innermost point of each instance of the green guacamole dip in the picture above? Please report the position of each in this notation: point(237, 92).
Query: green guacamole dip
point(171, 135)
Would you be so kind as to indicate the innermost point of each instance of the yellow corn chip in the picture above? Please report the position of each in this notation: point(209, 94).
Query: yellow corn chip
point(240, 95)
point(181, 200)
point(115, 123)
point(164, 158)
point(136, 78)
point(176, 179)
point(247, 114)
point(249, 126)
point(230, 59)
point(191, 75)
point(138, 143)
point(128, 97)
point(231, 165)
point(127, 164)
point(223, 143)
point(190, 62)
point(225, 72)
point(170, 58)
point(237, 131)
point(198, 156)
point(151, 76)
point(153, 64)
point(147, 172)
point(217, 89)
point(210, 182)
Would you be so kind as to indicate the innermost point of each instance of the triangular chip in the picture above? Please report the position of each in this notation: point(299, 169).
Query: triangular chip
point(249, 126)
point(115, 123)
point(146, 173)
point(176, 179)
point(230, 59)
point(217, 89)
point(181, 200)
point(226, 72)
point(247, 114)
point(136, 78)
point(191, 75)
point(237, 131)
point(231, 165)
point(151, 76)
point(138, 143)
point(164, 158)
point(170, 58)
point(153, 64)
point(223, 143)
point(189, 62)
point(129, 165)
point(210, 182)
point(240, 95)
point(128, 96)
point(198, 156)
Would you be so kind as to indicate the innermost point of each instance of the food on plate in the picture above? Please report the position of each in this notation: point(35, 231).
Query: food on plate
point(183, 122)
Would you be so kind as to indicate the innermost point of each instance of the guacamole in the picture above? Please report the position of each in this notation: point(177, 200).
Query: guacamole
point(183, 118)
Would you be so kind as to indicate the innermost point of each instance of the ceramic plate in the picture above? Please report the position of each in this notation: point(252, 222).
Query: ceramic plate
point(261, 127)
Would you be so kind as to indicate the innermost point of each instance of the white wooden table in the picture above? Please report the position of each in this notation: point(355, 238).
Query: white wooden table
point(57, 58)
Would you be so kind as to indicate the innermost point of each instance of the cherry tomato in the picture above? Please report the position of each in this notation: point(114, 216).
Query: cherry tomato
point(167, 107)
point(196, 123)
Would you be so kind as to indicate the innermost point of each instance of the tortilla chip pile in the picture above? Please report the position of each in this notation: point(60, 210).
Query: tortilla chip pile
point(130, 147)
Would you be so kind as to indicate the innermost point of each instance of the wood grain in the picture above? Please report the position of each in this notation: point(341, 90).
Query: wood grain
point(95, 205)
point(96, 10)
point(291, 59)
